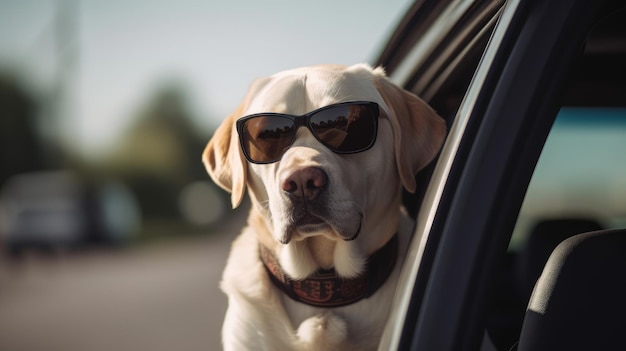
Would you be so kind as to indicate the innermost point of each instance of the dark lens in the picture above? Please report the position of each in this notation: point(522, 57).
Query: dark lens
point(346, 128)
point(266, 138)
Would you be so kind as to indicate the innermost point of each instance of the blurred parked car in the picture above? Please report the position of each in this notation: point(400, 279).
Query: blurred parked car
point(53, 210)
point(534, 93)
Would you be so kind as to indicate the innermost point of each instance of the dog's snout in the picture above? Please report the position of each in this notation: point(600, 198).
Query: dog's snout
point(306, 183)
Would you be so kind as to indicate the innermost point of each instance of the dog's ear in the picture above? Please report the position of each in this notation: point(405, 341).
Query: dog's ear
point(418, 130)
point(224, 159)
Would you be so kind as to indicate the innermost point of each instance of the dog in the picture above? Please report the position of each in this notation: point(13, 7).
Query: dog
point(323, 153)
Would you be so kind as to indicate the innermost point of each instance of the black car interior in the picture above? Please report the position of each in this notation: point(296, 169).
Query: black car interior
point(578, 302)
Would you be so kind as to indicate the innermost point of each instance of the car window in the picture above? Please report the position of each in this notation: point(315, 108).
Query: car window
point(580, 174)
point(578, 186)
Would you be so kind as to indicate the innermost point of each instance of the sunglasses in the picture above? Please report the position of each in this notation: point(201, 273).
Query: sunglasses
point(344, 128)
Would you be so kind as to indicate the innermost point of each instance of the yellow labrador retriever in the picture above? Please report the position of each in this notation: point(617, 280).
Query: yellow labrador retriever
point(323, 152)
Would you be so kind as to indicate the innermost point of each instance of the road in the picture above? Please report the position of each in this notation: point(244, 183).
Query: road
point(161, 296)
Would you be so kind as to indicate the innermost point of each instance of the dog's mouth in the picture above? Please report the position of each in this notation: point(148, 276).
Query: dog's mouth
point(310, 224)
point(309, 220)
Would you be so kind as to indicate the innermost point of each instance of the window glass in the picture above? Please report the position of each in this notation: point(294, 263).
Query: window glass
point(581, 172)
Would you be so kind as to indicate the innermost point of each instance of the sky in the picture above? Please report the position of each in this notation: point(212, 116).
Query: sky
point(122, 51)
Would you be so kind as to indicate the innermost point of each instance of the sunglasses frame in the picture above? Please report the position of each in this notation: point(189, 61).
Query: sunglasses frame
point(305, 121)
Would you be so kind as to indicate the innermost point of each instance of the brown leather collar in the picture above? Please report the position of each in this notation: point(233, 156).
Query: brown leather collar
point(325, 288)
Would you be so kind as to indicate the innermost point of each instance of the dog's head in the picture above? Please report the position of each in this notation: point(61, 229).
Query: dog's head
point(315, 207)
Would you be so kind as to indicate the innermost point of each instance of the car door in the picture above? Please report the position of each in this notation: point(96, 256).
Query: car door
point(497, 132)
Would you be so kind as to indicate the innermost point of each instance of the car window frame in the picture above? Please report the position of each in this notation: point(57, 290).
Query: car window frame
point(481, 177)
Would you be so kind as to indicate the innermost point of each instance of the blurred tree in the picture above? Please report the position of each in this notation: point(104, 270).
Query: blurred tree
point(160, 153)
point(20, 146)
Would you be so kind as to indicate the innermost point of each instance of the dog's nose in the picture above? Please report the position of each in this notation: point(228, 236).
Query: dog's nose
point(306, 183)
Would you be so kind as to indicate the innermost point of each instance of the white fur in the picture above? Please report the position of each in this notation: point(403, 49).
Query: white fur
point(260, 317)
point(363, 193)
